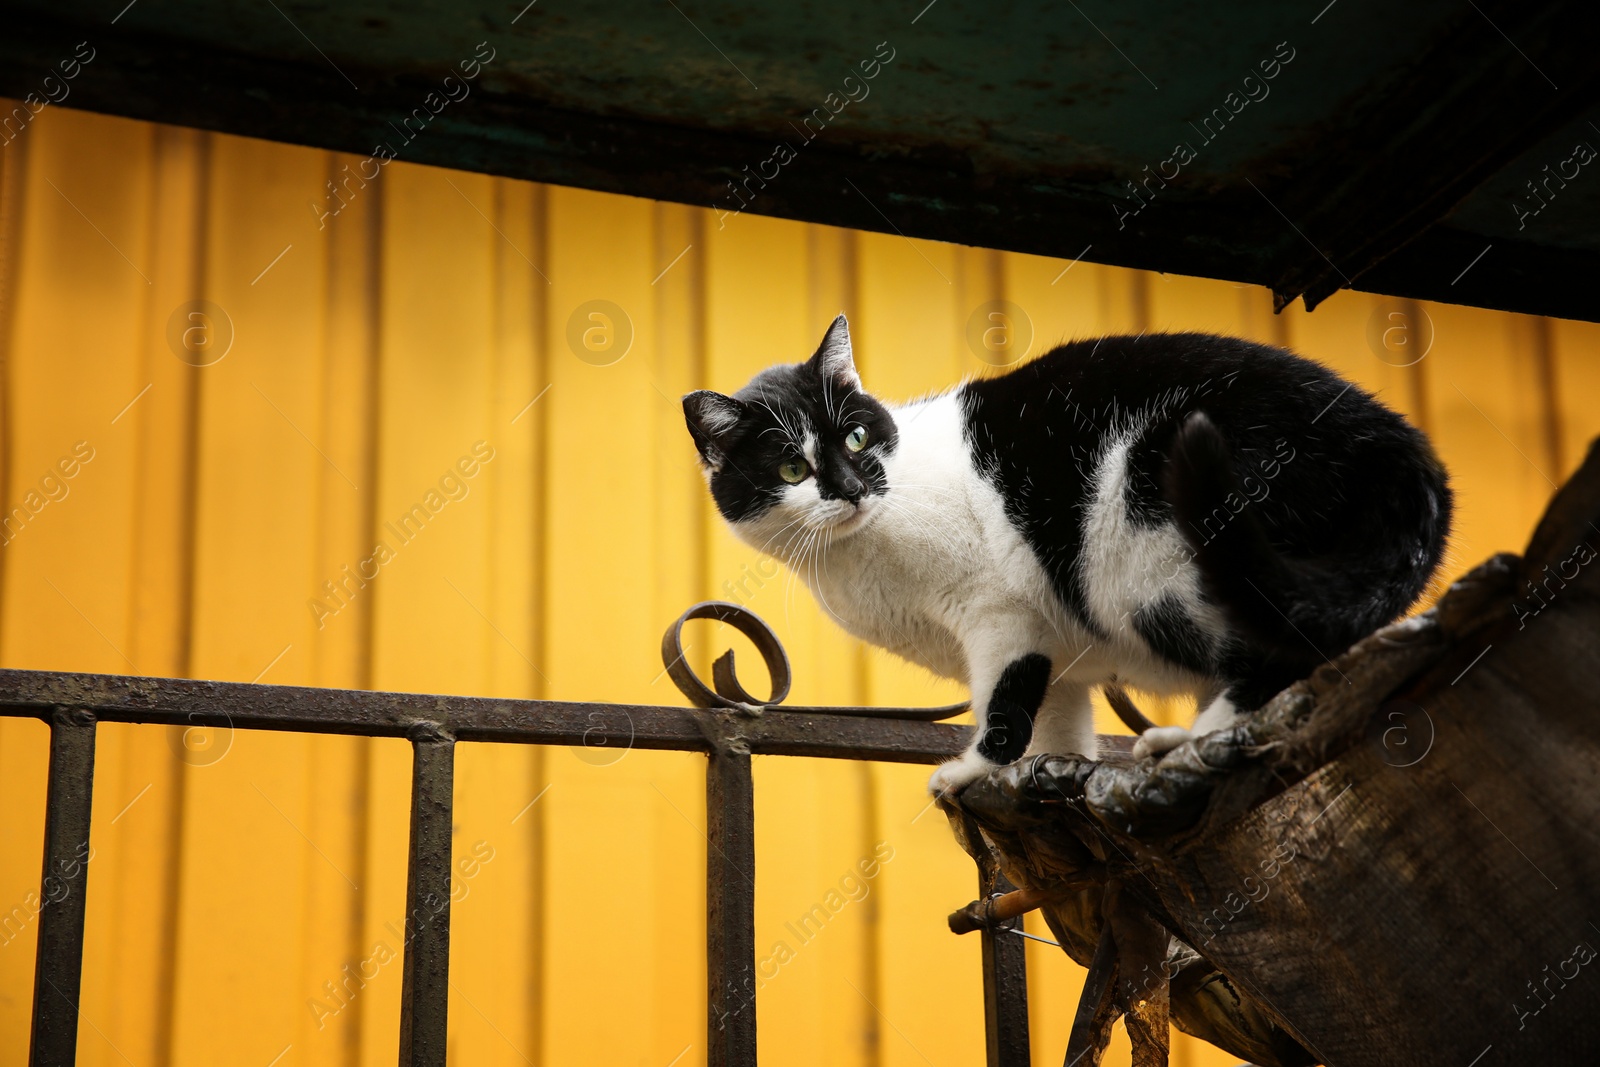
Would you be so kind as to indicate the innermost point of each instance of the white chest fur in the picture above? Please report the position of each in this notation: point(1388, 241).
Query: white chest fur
point(937, 568)
point(937, 557)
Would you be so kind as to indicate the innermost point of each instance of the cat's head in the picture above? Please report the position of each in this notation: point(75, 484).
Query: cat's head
point(800, 449)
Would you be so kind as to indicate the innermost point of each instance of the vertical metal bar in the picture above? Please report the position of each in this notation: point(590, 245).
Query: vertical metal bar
point(1005, 983)
point(58, 966)
point(730, 910)
point(425, 992)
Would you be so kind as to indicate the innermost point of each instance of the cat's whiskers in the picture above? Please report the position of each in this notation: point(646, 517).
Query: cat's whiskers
point(793, 563)
point(766, 544)
point(803, 536)
point(807, 561)
point(789, 558)
point(821, 547)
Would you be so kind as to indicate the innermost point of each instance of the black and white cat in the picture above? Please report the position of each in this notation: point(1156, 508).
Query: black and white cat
point(1176, 512)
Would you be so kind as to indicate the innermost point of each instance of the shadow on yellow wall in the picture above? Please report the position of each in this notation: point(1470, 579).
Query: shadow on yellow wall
point(421, 370)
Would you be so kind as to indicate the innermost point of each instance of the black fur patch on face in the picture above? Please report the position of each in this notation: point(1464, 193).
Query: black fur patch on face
point(775, 413)
point(1008, 727)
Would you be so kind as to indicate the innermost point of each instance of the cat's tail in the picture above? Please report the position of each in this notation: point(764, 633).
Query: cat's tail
point(1306, 608)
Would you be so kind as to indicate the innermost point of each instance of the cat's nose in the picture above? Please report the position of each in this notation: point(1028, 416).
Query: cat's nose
point(850, 488)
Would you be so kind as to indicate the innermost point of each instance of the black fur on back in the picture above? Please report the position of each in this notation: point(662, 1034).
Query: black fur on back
point(1315, 514)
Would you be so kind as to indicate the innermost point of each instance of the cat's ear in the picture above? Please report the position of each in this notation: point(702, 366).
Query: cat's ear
point(835, 359)
point(712, 417)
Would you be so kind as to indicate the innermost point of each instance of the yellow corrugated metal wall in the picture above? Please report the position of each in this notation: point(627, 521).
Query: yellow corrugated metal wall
point(246, 890)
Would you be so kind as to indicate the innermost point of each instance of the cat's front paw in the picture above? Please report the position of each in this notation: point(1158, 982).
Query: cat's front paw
point(1159, 740)
point(954, 776)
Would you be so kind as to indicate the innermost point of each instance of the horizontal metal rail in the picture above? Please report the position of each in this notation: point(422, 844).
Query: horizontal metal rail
point(787, 731)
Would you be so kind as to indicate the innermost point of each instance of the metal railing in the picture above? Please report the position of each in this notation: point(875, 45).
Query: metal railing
point(728, 725)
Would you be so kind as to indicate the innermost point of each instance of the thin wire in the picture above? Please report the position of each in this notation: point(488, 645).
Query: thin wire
point(1031, 937)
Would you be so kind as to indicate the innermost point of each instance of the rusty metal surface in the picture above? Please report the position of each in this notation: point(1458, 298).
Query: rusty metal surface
point(903, 735)
point(797, 731)
point(1005, 981)
point(730, 909)
point(425, 993)
point(63, 890)
point(726, 691)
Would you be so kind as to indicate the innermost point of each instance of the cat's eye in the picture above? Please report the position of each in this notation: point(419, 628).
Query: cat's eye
point(856, 439)
point(794, 471)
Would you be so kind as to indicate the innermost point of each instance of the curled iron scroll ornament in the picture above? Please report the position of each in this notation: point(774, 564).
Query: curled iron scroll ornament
point(726, 691)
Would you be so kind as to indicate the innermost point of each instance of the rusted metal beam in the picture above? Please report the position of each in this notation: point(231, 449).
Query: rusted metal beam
point(58, 965)
point(1005, 969)
point(425, 993)
point(987, 912)
point(790, 731)
point(1005, 989)
point(730, 909)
